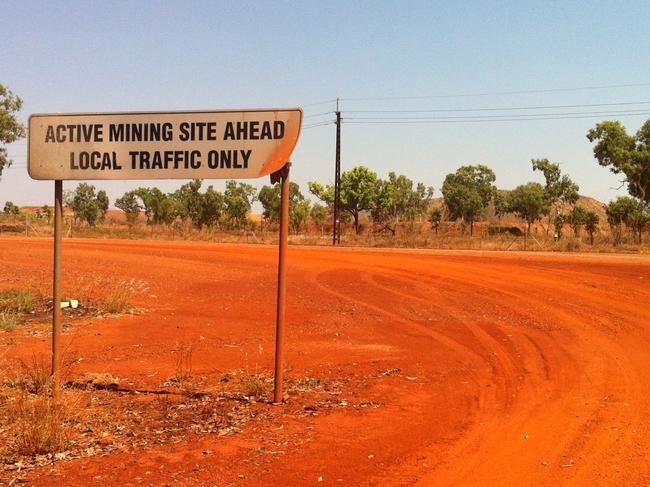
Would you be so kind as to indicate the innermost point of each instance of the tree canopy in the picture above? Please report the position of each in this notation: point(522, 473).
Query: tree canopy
point(625, 154)
point(631, 213)
point(359, 188)
point(435, 217)
point(11, 208)
point(129, 204)
point(529, 202)
point(10, 129)
point(319, 214)
point(558, 189)
point(397, 200)
point(299, 207)
point(238, 198)
point(591, 225)
point(158, 206)
point(576, 218)
point(467, 192)
point(87, 204)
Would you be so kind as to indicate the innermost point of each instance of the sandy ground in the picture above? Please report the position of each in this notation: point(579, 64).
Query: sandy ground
point(514, 369)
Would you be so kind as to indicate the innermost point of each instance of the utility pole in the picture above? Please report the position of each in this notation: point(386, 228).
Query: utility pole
point(336, 228)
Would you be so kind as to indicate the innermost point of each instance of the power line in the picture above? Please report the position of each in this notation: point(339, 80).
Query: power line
point(493, 109)
point(318, 114)
point(509, 115)
point(470, 120)
point(319, 124)
point(497, 93)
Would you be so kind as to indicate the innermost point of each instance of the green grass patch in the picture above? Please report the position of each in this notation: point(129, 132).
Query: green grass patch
point(18, 300)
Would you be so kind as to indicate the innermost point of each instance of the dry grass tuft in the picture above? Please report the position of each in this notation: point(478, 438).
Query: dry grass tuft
point(256, 385)
point(184, 369)
point(8, 320)
point(117, 301)
point(107, 296)
point(36, 424)
point(31, 422)
point(35, 375)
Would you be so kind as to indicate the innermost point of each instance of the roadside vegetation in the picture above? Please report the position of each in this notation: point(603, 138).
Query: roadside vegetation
point(390, 211)
point(93, 296)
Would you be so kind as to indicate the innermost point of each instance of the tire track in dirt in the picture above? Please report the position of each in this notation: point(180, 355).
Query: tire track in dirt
point(506, 363)
point(503, 374)
point(603, 346)
point(563, 362)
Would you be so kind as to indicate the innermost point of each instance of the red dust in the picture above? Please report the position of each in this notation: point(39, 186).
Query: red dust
point(476, 368)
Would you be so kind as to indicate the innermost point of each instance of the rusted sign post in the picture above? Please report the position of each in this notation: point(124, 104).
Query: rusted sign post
point(231, 144)
point(56, 286)
point(282, 177)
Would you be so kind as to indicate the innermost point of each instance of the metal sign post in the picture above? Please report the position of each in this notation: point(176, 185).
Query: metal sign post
point(282, 177)
point(56, 287)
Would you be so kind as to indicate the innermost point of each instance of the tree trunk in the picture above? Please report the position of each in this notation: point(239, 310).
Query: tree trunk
point(356, 222)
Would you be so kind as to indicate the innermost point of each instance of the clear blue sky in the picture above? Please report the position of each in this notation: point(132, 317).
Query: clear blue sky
point(110, 56)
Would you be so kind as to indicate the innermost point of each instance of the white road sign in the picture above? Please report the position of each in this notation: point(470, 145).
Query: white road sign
point(230, 144)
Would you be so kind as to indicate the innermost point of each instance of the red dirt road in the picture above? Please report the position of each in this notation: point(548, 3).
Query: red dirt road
point(516, 369)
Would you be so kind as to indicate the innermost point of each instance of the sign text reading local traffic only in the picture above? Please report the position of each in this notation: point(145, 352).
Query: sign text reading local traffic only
point(235, 144)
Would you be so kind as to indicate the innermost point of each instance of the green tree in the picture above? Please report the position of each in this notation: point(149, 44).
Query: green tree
point(558, 224)
point(129, 204)
point(238, 199)
point(269, 198)
point(615, 218)
point(298, 214)
point(189, 202)
point(625, 154)
point(212, 207)
point(10, 129)
point(591, 225)
point(500, 200)
point(319, 215)
point(359, 187)
point(48, 212)
point(435, 217)
point(159, 208)
point(102, 204)
point(88, 205)
point(558, 189)
point(11, 209)
point(467, 193)
point(576, 218)
point(299, 207)
point(628, 211)
point(397, 201)
point(528, 202)
point(146, 202)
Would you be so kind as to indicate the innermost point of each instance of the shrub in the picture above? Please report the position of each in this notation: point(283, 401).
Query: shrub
point(17, 300)
point(256, 385)
point(8, 321)
point(36, 424)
